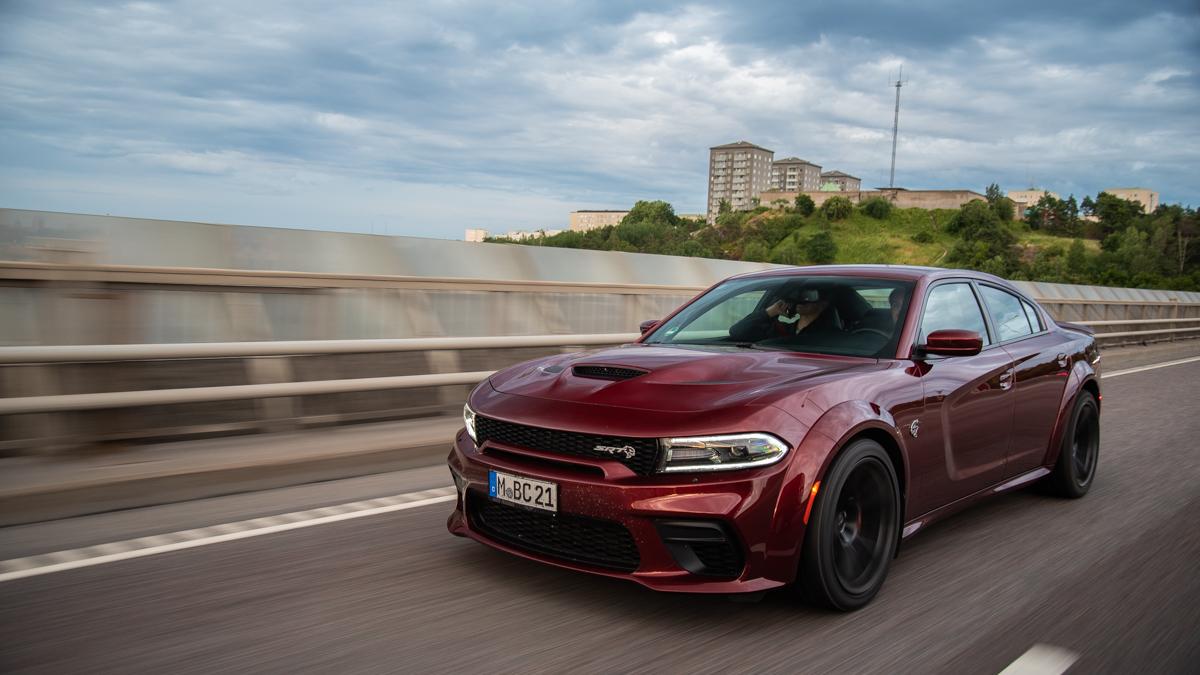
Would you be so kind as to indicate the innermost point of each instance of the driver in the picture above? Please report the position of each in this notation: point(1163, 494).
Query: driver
point(798, 310)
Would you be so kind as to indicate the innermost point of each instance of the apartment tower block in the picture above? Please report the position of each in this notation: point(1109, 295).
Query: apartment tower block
point(737, 173)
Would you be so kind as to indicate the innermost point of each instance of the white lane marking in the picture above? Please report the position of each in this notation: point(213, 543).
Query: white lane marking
point(60, 561)
point(1152, 366)
point(1042, 660)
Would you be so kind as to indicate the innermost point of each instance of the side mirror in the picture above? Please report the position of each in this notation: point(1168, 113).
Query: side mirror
point(647, 326)
point(953, 342)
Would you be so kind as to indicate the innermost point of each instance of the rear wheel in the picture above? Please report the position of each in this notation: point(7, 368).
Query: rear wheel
point(853, 530)
point(1076, 468)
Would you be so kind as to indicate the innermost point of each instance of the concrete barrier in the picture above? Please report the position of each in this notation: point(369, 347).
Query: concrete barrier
point(112, 323)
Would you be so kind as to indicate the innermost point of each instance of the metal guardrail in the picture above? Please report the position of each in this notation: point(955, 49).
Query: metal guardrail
point(133, 399)
point(130, 399)
point(204, 350)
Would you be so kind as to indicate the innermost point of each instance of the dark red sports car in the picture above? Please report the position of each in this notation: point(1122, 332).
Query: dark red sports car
point(785, 426)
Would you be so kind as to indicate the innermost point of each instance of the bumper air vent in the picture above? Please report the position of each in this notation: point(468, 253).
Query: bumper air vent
point(591, 541)
point(702, 548)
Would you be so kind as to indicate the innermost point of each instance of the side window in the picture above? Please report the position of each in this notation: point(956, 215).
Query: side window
point(953, 306)
point(1008, 315)
point(1035, 320)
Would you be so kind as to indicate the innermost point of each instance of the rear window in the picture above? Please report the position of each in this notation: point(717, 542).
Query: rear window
point(1007, 312)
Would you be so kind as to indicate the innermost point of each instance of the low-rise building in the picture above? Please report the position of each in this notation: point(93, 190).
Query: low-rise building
point(924, 199)
point(582, 221)
point(793, 173)
point(842, 182)
point(1024, 199)
point(1146, 197)
point(478, 234)
point(519, 235)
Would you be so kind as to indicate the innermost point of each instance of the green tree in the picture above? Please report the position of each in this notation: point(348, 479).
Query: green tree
point(837, 208)
point(821, 248)
point(724, 207)
point(657, 211)
point(1055, 216)
point(1115, 214)
point(1004, 207)
point(985, 243)
point(773, 230)
point(923, 236)
point(805, 205)
point(877, 207)
point(756, 251)
point(786, 254)
point(1077, 262)
point(691, 249)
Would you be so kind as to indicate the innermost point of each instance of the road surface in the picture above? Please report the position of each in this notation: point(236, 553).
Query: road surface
point(1111, 579)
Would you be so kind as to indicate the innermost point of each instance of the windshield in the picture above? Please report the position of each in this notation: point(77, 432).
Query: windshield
point(847, 316)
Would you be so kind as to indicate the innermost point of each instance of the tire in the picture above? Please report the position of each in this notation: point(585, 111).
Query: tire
point(854, 528)
point(1075, 470)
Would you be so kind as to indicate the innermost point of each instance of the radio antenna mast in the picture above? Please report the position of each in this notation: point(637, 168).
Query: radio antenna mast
point(896, 127)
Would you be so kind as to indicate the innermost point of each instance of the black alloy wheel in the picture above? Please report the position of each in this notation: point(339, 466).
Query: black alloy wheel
point(853, 529)
point(1076, 468)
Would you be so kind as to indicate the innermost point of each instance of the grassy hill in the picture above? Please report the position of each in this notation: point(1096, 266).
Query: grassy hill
point(906, 237)
point(1119, 246)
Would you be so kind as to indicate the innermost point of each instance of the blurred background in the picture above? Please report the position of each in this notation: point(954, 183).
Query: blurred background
point(186, 308)
point(222, 446)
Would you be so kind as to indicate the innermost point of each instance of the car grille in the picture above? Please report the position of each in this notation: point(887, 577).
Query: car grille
point(645, 450)
point(591, 541)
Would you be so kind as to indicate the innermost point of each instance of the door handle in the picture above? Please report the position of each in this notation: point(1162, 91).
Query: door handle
point(1006, 379)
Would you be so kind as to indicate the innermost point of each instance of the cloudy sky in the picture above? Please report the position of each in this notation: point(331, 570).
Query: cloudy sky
point(424, 118)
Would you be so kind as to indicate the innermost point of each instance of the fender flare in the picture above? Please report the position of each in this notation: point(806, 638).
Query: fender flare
point(850, 419)
point(822, 443)
point(1081, 374)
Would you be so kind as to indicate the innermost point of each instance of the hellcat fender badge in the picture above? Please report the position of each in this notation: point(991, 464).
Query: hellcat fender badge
point(914, 428)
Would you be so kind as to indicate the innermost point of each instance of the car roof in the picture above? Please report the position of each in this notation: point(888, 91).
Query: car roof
point(908, 272)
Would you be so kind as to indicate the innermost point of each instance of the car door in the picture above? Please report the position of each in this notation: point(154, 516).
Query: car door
point(1040, 366)
point(968, 402)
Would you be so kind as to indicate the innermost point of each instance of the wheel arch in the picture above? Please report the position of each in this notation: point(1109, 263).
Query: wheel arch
point(852, 420)
point(1083, 378)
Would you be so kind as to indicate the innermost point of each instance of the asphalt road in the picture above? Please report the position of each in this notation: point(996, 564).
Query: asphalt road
point(1111, 578)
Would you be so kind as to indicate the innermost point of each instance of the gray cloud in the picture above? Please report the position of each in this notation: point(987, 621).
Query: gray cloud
point(427, 118)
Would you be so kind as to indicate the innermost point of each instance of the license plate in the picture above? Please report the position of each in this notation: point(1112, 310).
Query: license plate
point(537, 494)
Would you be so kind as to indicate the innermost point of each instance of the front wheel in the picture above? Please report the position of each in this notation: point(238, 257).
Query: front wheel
point(853, 530)
point(1076, 468)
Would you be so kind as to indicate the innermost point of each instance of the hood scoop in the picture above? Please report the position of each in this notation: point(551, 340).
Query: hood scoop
point(607, 372)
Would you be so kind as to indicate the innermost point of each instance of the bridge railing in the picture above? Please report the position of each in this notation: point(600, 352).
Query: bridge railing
point(1146, 329)
point(55, 395)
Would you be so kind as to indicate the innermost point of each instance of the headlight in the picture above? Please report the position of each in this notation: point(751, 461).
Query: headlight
point(469, 420)
point(721, 453)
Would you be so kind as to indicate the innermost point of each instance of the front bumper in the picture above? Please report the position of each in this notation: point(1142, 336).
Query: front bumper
point(760, 509)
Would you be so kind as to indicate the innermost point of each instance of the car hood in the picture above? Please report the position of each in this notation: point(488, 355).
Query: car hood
point(674, 379)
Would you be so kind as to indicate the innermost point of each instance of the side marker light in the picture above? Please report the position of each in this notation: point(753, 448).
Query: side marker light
point(812, 497)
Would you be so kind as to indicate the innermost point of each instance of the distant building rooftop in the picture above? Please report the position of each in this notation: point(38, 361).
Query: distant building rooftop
point(739, 146)
point(837, 174)
point(795, 160)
